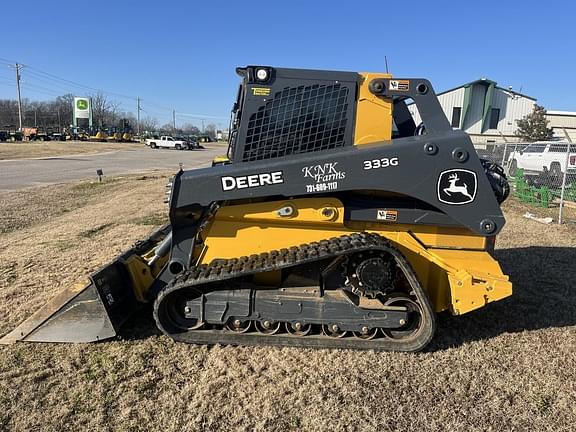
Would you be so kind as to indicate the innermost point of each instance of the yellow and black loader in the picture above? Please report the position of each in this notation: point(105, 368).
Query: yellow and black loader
point(334, 221)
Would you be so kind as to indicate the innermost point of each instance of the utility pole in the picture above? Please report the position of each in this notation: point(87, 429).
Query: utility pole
point(138, 118)
point(18, 67)
point(174, 120)
point(202, 125)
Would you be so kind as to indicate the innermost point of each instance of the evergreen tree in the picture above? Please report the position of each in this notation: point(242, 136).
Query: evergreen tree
point(534, 126)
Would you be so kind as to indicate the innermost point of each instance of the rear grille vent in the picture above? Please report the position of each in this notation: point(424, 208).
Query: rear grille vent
point(298, 120)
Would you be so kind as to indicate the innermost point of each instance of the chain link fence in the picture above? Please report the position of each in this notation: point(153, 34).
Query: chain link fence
point(541, 175)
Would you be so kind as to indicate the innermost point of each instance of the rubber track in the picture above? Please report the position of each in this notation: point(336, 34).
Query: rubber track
point(228, 269)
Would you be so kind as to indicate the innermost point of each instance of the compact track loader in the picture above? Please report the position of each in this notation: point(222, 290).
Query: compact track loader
point(335, 220)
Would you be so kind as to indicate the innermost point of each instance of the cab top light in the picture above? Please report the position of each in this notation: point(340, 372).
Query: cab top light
point(262, 74)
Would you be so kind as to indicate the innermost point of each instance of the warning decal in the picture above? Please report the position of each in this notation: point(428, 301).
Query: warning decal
point(399, 85)
point(387, 215)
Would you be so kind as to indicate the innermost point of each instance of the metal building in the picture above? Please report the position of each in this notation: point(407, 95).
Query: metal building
point(488, 113)
point(563, 123)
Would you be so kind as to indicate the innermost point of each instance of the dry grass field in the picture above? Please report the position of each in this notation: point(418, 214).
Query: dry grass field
point(509, 366)
point(38, 149)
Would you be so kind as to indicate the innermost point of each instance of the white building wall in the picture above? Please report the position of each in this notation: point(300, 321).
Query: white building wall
point(518, 107)
point(560, 119)
point(503, 101)
point(562, 123)
point(454, 98)
point(512, 108)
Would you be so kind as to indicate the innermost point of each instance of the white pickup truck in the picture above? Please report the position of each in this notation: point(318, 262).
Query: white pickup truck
point(166, 141)
point(544, 157)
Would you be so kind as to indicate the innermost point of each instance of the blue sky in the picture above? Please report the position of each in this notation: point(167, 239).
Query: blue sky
point(181, 54)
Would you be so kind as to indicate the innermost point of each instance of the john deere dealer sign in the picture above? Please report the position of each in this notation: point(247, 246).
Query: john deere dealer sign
point(81, 107)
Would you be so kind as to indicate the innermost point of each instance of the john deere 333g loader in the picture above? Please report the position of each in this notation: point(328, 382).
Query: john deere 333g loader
point(334, 221)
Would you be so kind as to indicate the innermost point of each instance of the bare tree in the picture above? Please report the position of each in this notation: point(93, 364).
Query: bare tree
point(58, 113)
point(64, 109)
point(8, 113)
point(190, 129)
point(210, 130)
point(168, 127)
point(104, 110)
point(148, 124)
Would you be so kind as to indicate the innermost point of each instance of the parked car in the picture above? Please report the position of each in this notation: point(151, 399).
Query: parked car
point(190, 141)
point(204, 139)
point(544, 158)
point(166, 141)
point(193, 142)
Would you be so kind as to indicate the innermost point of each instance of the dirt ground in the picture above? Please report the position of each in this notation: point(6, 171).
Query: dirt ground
point(27, 150)
point(509, 366)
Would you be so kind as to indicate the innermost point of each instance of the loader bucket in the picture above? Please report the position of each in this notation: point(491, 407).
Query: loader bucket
point(94, 311)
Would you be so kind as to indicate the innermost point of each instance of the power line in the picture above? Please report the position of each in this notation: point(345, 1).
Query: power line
point(42, 90)
point(51, 83)
point(71, 86)
point(37, 71)
point(6, 61)
point(40, 74)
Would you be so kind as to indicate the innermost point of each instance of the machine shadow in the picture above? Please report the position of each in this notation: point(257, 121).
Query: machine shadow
point(140, 326)
point(543, 297)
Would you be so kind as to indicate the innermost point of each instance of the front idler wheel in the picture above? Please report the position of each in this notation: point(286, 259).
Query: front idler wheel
point(176, 310)
point(407, 328)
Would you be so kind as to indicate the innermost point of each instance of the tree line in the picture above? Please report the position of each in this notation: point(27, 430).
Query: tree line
point(106, 113)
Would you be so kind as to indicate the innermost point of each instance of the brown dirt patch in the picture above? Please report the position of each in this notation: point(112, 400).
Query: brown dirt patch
point(28, 150)
point(509, 366)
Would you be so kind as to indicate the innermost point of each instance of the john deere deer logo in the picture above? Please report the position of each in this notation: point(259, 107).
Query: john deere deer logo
point(457, 186)
point(454, 188)
point(82, 104)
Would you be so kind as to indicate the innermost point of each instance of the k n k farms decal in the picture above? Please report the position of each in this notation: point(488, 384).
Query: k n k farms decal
point(325, 176)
